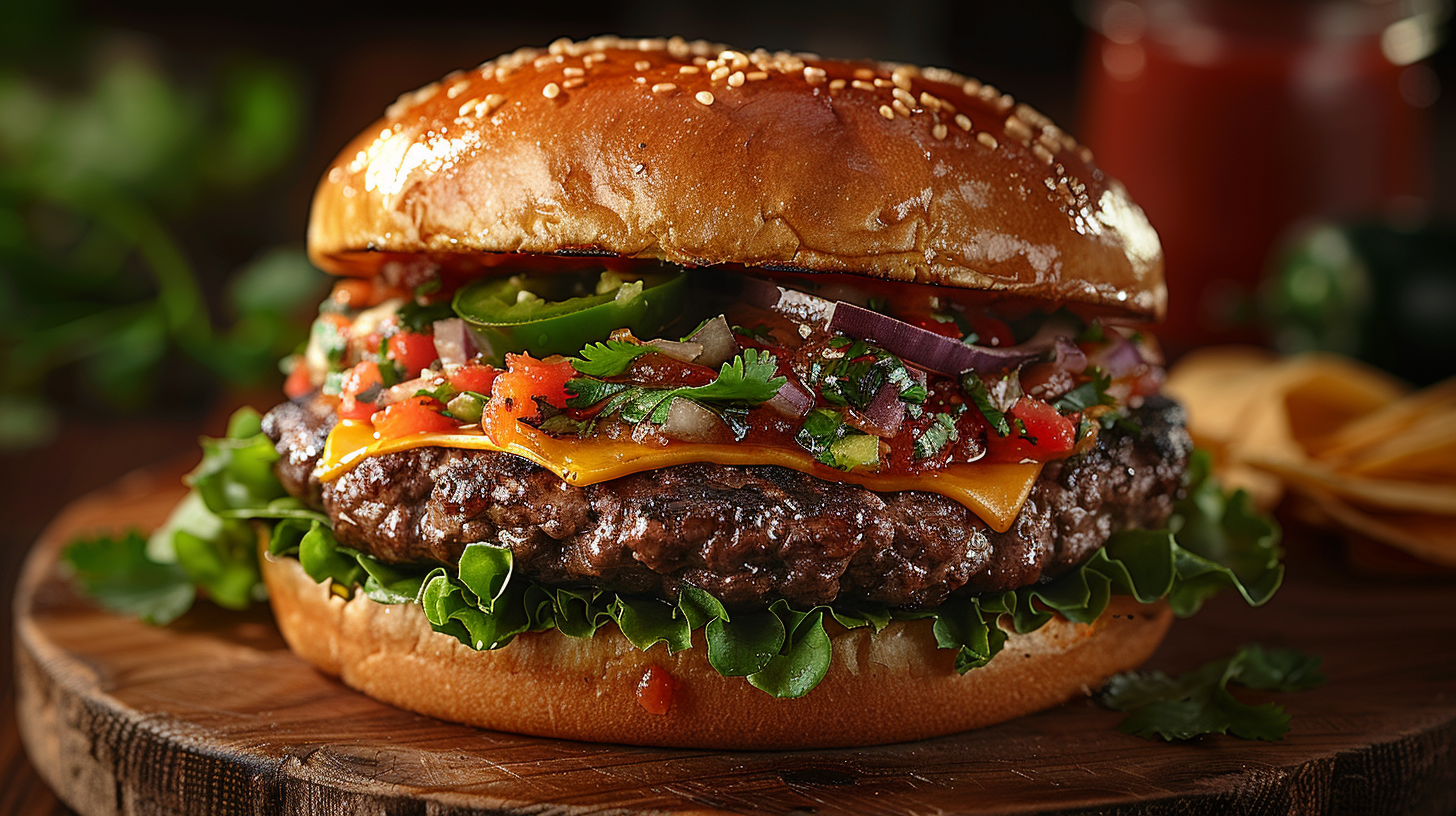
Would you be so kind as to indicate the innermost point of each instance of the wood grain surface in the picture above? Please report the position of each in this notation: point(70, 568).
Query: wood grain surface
point(213, 715)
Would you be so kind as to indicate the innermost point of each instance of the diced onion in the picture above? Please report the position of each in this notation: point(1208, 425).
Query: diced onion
point(691, 422)
point(719, 344)
point(684, 352)
point(453, 343)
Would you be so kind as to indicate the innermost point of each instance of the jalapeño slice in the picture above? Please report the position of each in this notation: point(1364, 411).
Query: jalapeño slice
point(562, 312)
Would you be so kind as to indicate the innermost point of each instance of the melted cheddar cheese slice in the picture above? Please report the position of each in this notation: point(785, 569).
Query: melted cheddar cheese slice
point(994, 492)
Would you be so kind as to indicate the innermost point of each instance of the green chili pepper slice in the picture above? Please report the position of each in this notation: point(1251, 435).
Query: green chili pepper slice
point(560, 313)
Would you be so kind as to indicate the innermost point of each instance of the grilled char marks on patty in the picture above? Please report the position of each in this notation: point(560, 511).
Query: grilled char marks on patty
point(749, 535)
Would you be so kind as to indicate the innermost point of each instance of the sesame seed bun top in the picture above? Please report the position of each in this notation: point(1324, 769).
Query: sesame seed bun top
point(699, 154)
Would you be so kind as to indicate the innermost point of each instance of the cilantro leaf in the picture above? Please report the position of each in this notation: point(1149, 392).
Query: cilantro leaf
point(747, 380)
point(1090, 393)
point(118, 575)
point(419, 318)
point(1199, 702)
point(980, 394)
point(857, 377)
point(941, 432)
point(608, 359)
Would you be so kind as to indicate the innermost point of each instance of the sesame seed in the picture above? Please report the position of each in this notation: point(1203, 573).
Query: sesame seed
point(493, 101)
point(1005, 103)
point(903, 97)
point(963, 122)
point(542, 61)
point(688, 69)
point(700, 60)
point(988, 93)
point(1042, 153)
point(938, 131)
point(900, 107)
point(663, 87)
point(1018, 130)
point(864, 73)
point(640, 80)
point(573, 72)
point(886, 112)
point(986, 139)
point(947, 106)
point(971, 87)
point(836, 84)
point(1085, 154)
point(862, 85)
point(595, 56)
point(1048, 139)
point(642, 65)
point(814, 75)
point(551, 91)
point(929, 102)
point(456, 89)
point(574, 82)
point(881, 82)
point(559, 45)
point(901, 77)
point(469, 106)
point(720, 72)
point(705, 97)
point(736, 79)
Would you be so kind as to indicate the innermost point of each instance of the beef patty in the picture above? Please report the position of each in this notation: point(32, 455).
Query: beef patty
point(749, 535)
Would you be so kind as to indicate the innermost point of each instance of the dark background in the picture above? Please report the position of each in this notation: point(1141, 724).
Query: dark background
point(346, 62)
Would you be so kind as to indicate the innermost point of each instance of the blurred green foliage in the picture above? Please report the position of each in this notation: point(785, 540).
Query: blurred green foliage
point(106, 161)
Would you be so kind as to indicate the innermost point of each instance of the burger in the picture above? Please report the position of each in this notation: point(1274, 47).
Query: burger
point(673, 394)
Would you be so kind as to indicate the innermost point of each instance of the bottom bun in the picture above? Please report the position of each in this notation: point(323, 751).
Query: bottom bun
point(889, 687)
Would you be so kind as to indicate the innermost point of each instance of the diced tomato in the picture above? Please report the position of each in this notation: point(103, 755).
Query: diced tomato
point(414, 415)
point(655, 691)
point(1048, 434)
point(946, 328)
point(514, 391)
point(471, 377)
point(299, 383)
point(992, 332)
point(414, 352)
point(360, 380)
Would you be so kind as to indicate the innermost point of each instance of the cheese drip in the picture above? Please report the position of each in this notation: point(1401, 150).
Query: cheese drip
point(994, 492)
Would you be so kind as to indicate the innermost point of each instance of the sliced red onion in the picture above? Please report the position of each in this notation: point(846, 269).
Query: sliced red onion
point(925, 348)
point(719, 344)
point(453, 343)
point(691, 422)
point(789, 302)
point(1119, 358)
point(685, 352)
point(792, 400)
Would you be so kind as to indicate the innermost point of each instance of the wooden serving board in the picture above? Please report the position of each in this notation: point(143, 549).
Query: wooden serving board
point(214, 715)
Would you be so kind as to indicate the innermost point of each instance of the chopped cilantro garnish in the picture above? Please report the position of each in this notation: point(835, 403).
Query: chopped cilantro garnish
point(991, 399)
point(1090, 393)
point(745, 381)
point(856, 378)
point(941, 432)
point(760, 332)
point(608, 359)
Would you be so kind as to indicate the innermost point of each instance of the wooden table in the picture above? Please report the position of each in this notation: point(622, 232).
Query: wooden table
point(230, 721)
